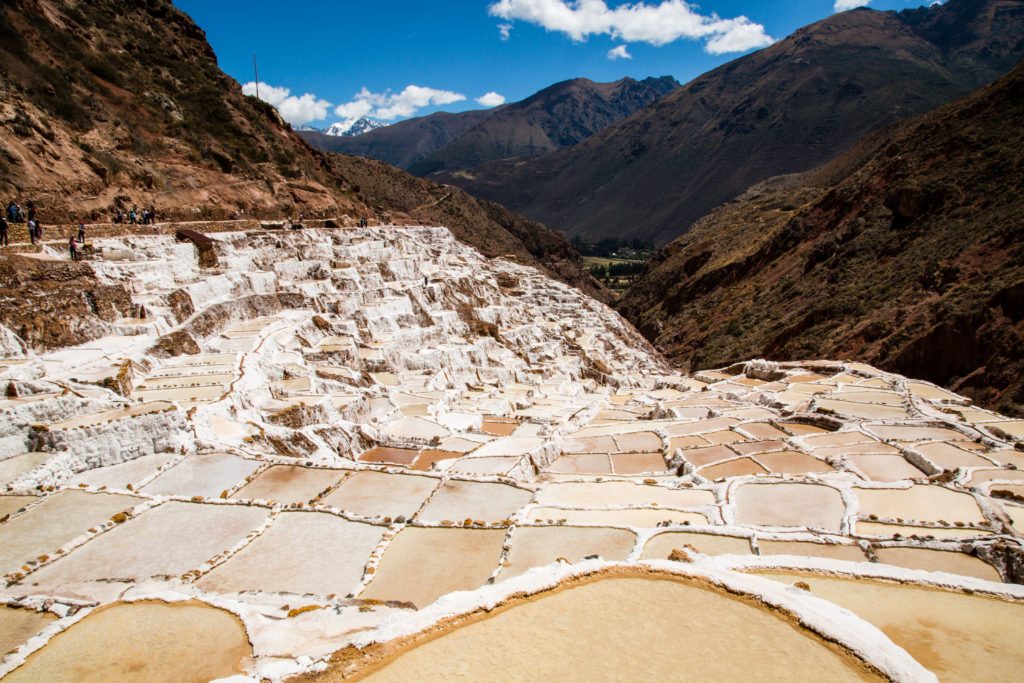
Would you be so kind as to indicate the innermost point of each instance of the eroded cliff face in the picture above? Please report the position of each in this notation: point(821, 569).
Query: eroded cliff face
point(906, 253)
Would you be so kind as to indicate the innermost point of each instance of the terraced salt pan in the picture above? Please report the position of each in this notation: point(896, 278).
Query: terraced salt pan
point(620, 494)
point(635, 517)
point(54, 522)
point(289, 484)
point(949, 457)
point(168, 540)
point(938, 561)
point(866, 528)
point(378, 494)
point(388, 455)
point(625, 629)
point(121, 475)
point(202, 475)
point(11, 504)
point(885, 467)
point(460, 500)
point(538, 546)
point(483, 466)
point(789, 505)
point(662, 545)
point(18, 625)
point(143, 641)
point(957, 636)
point(582, 463)
point(12, 468)
point(834, 551)
point(422, 564)
point(301, 552)
point(921, 504)
point(110, 415)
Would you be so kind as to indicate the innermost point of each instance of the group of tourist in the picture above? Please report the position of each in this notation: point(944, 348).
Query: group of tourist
point(15, 214)
point(136, 217)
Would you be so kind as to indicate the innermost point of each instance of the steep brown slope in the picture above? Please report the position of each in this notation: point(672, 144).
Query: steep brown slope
point(785, 109)
point(558, 116)
point(906, 253)
point(121, 103)
point(404, 143)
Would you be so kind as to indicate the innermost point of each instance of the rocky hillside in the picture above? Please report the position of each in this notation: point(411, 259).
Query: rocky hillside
point(109, 103)
point(907, 253)
point(787, 108)
point(559, 116)
point(404, 143)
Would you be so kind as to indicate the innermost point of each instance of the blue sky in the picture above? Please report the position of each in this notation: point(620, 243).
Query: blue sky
point(319, 54)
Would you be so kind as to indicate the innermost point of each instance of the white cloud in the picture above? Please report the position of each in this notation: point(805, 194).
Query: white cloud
point(505, 31)
point(388, 105)
point(619, 52)
point(657, 24)
point(491, 99)
point(296, 110)
point(843, 5)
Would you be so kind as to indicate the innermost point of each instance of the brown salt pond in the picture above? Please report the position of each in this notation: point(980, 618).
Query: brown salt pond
point(833, 551)
point(393, 456)
point(429, 456)
point(18, 625)
point(145, 642)
point(379, 494)
point(625, 628)
point(959, 637)
point(422, 564)
point(459, 500)
point(289, 484)
point(498, 427)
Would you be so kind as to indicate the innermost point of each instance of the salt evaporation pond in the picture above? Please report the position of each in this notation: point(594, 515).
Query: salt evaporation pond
point(142, 642)
point(626, 628)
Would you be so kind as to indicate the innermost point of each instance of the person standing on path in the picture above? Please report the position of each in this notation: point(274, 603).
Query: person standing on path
point(73, 248)
point(81, 233)
point(4, 240)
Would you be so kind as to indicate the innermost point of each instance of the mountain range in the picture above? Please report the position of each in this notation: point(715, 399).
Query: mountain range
point(906, 253)
point(784, 109)
point(558, 116)
point(357, 125)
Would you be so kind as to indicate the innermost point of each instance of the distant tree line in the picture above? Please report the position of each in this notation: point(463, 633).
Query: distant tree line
point(614, 247)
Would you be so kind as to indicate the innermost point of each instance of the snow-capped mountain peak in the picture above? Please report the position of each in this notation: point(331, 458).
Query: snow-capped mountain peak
point(353, 126)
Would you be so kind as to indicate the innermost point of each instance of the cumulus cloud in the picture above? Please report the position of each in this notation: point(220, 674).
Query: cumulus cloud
point(296, 110)
point(843, 5)
point(504, 31)
point(619, 52)
point(657, 24)
point(491, 99)
point(390, 105)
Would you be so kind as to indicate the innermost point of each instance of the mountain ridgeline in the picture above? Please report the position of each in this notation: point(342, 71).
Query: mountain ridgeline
point(906, 253)
point(784, 109)
point(558, 116)
point(132, 110)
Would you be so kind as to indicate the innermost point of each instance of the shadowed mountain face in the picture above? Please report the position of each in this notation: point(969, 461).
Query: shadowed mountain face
point(787, 108)
point(907, 253)
point(404, 143)
point(112, 104)
point(558, 116)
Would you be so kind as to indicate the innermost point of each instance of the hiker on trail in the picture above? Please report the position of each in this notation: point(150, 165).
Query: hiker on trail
point(118, 216)
point(32, 211)
point(12, 212)
point(132, 218)
point(32, 231)
point(152, 215)
point(4, 241)
point(81, 233)
point(73, 248)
